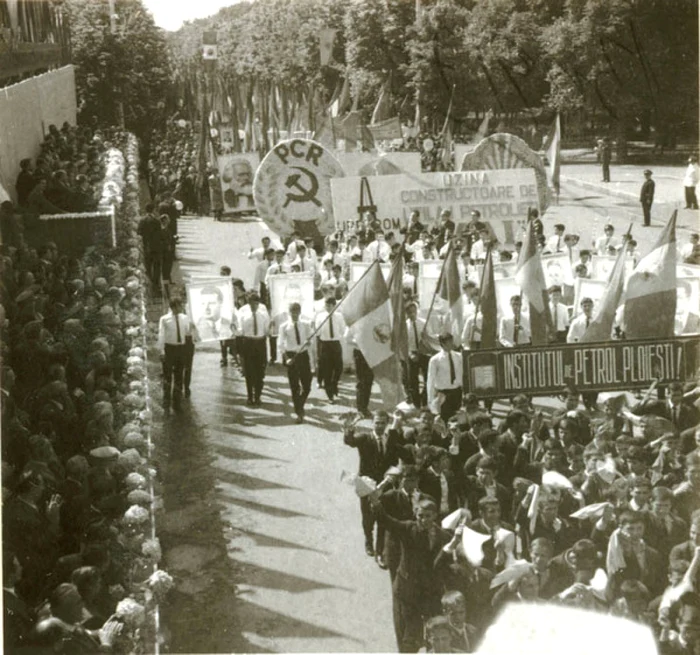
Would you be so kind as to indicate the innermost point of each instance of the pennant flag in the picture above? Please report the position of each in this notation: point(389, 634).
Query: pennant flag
point(530, 277)
point(451, 290)
point(367, 139)
point(325, 130)
point(388, 129)
point(600, 328)
point(349, 129)
point(399, 332)
point(382, 110)
point(552, 147)
point(483, 130)
point(367, 309)
point(326, 40)
point(650, 300)
point(488, 306)
point(446, 154)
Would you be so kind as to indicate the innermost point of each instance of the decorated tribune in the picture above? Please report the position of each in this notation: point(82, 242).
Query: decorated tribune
point(292, 188)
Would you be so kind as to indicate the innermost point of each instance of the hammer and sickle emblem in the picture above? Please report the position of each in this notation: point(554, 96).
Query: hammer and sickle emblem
point(304, 195)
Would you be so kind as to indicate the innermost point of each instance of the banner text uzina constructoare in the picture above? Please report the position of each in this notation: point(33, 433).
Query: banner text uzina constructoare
point(502, 197)
point(616, 365)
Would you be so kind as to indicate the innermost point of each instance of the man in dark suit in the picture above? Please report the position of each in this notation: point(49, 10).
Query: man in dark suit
point(685, 418)
point(663, 529)
point(377, 453)
point(484, 484)
point(416, 588)
point(646, 197)
point(440, 483)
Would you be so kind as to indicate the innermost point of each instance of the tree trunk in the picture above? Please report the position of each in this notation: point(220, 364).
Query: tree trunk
point(621, 138)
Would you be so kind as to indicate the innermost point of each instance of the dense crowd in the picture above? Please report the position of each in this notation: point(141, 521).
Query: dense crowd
point(67, 400)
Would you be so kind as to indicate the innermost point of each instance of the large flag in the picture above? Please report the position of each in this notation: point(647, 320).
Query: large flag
point(451, 290)
point(488, 306)
point(601, 326)
point(530, 277)
point(367, 312)
point(339, 105)
point(650, 299)
point(382, 110)
point(446, 154)
point(399, 333)
point(552, 146)
point(325, 130)
point(388, 129)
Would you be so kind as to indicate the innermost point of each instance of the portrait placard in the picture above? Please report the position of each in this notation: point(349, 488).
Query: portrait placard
point(428, 276)
point(358, 269)
point(557, 269)
point(602, 265)
point(286, 288)
point(687, 306)
point(210, 307)
point(236, 172)
point(585, 288)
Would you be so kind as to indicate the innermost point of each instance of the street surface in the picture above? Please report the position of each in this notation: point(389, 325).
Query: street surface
point(262, 536)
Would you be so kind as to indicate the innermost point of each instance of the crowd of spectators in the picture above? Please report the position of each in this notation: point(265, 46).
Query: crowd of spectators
point(596, 509)
point(66, 399)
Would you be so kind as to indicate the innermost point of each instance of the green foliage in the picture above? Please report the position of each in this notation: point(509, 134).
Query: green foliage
point(126, 72)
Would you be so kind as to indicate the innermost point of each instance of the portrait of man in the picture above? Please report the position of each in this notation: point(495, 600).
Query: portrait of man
point(557, 270)
point(687, 318)
point(237, 184)
point(211, 306)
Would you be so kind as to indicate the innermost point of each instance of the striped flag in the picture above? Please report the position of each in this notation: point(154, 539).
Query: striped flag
point(488, 306)
point(650, 299)
point(451, 290)
point(398, 310)
point(367, 311)
point(382, 110)
point(601, 326)
point(530, 277)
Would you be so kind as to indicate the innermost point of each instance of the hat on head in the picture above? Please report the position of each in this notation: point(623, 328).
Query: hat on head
point(104, 454)
point(647, 172)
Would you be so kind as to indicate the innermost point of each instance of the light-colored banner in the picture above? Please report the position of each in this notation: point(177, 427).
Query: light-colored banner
point(502, 197)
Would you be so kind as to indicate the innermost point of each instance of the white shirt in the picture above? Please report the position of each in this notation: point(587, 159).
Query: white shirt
point(247, 324)
point(287, 339)
point(686, 250)
point(167, 330)
point(467, 332)
point(260, 273)
point(692, 175)
point(577, 328)
point(257, 253)
point(276, 269)
point(555, 243)
point(560, 316)
point(506, 332)
point(337, 322)
point(305, 265)
point(377, 249)
point(414, 339)
point(603, 243)
point(336, 258)
point(440, 375)
point(478, 251)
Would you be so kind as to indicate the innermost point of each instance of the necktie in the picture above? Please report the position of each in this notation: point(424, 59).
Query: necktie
point(296, 332)
point(255, 324)
point(415, 333)
point(380, 446)
point(415, 285)
point(177, 326)
point(302, 264)
point(330, 325)
point(452, 368)
point(588, 321)
point(558, 244)
point(516, 322)
point(556, 318)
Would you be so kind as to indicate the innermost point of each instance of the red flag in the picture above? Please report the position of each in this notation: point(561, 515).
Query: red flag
point(488, 307)
point(650, 299)
point(530, 277)
point(451, 291)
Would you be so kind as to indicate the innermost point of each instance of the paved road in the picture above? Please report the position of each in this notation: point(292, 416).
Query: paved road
point(264, 539)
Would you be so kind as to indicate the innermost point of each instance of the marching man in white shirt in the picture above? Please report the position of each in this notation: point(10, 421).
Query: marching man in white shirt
point(418, 360)
point(580, 324)
point(515, 330)
point(254, 322)
point(445, 379)
point(296, 353)
point(556, 242)
point(173, 330)
point(559, 313)
point(602, 244)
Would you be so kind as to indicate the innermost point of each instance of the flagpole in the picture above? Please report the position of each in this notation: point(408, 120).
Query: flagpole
point(337, 305)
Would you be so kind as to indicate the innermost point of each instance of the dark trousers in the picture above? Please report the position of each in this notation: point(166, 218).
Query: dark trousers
point(173, 367)
point(368, 521)
point(189, 360)
point(411, 610)
point(646, 209)
point(319, 347)
point(453, 401)
point(606, 171)
point(273, 349)
point(255, 359)
point(560, 336)
point(228, 347)
point(167, 264)
point(364, 378)
point(691, 199)
point(416, 367)
point(153, 262)
point(299, 376)
point(330, 362)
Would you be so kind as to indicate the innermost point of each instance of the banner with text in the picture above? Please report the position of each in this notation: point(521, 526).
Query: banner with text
point(608, 366)
point(502, 197)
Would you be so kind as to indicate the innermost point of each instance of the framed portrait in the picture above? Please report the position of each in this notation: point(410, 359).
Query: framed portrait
point(687, 306)
point(287, 288)
point(501, 271)
point(585, 288)
point(236, 172)
point(210, 304)
point(602, 265)
point(357, 270)
point(557, 269)
point(428, 276)
point(506, 288)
